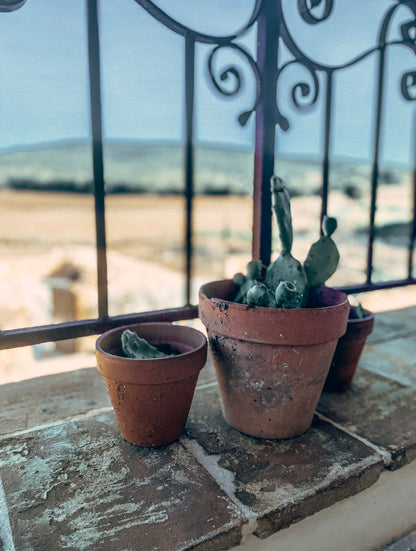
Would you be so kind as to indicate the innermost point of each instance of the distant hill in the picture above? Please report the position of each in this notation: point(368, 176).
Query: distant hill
point(158, 168)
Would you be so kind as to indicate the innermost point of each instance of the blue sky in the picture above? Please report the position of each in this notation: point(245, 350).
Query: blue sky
point(43, 71)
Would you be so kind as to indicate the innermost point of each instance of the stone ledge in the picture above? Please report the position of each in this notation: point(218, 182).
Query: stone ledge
point(68, 479)
point(79, 485)
point(379, 410)
point(280, 482)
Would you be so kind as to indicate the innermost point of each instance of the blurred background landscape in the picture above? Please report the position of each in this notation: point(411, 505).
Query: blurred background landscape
point(47, 232)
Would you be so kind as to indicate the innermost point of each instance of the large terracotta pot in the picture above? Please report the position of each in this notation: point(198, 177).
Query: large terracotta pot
point(151, 398)
point(271, 363)
point(348, 353)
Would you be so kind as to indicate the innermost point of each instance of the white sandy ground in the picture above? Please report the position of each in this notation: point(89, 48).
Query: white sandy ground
point(145, 257)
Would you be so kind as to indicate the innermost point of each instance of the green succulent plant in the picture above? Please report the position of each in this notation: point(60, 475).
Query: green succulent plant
point(287, 282)
point(138, 348)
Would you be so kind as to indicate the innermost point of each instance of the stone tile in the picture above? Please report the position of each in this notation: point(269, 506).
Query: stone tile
point(50, 398)
point(393, 323)
point(406, 543)
point(79, 485)
point(395, 359)
point(280, 482)
point(378, 409)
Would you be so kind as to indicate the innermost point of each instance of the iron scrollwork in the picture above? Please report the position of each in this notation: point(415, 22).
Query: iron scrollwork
point(233, 72)
point(313, 67)
point(304, 93)
point(11, 5)
point(408, 86)
point(306, 7)
point(220, 44)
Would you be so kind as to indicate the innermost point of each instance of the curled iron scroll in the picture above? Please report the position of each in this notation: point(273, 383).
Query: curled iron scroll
point(232, 71)
point(299, 90)
point(306, 7)
point(11, 5)
point(221, 42)
point(408, 86)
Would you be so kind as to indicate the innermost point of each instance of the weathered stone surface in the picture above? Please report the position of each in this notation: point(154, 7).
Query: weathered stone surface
point(50, 398)
point(392, 324)
point(378, 409)
point(281, 482)
point(406, 543)
point(396, 359)
point(79, 485)
point(68, 479)
point(54, 397)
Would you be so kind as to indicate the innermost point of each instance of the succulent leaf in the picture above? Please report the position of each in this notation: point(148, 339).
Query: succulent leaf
point(254, 270)
point(321, 262)
point(287, 296)
point(329, 225)
point(281, 207)
point(260, 295)
point(287, 268)
point(287, 282)
point(138, 348)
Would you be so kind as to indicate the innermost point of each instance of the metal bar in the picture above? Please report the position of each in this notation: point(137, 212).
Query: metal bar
point(264, 155)
point(97, 154)
point(14, 338)
point(412, 236)
point(369, 287)
point(375, 166)
point(327, 144)
point(189, 159)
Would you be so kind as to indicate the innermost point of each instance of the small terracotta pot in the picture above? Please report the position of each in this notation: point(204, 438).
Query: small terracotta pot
point(271, 363)
point(348, 353)
point(151, 398)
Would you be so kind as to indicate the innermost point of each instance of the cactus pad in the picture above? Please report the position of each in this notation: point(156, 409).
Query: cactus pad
point(323, 256)
point(138, 348)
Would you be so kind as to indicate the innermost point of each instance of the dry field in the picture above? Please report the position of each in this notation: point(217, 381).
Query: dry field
point(39, 232)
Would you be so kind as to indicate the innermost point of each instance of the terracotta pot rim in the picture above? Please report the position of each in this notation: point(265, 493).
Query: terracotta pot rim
point(239, 306)
point(359, 328)
point(148, 325)
point(368, 315)
point(275, 326)
point(155, 370)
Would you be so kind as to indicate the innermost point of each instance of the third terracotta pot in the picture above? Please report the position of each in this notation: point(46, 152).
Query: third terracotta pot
point(271, 363)
point(348, 352)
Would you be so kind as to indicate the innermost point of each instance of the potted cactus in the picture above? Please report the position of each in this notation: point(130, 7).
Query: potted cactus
point(272, 338)
point(151, 370)
point(349, 349)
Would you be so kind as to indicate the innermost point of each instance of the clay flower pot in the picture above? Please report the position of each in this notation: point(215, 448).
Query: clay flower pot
point(348, 352)
point(271, 363)
point(151, 398)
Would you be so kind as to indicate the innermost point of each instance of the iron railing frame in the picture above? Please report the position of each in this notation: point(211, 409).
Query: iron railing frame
point(271, 27)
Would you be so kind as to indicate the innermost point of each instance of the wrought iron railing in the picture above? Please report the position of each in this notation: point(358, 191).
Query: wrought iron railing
point(268, 20)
